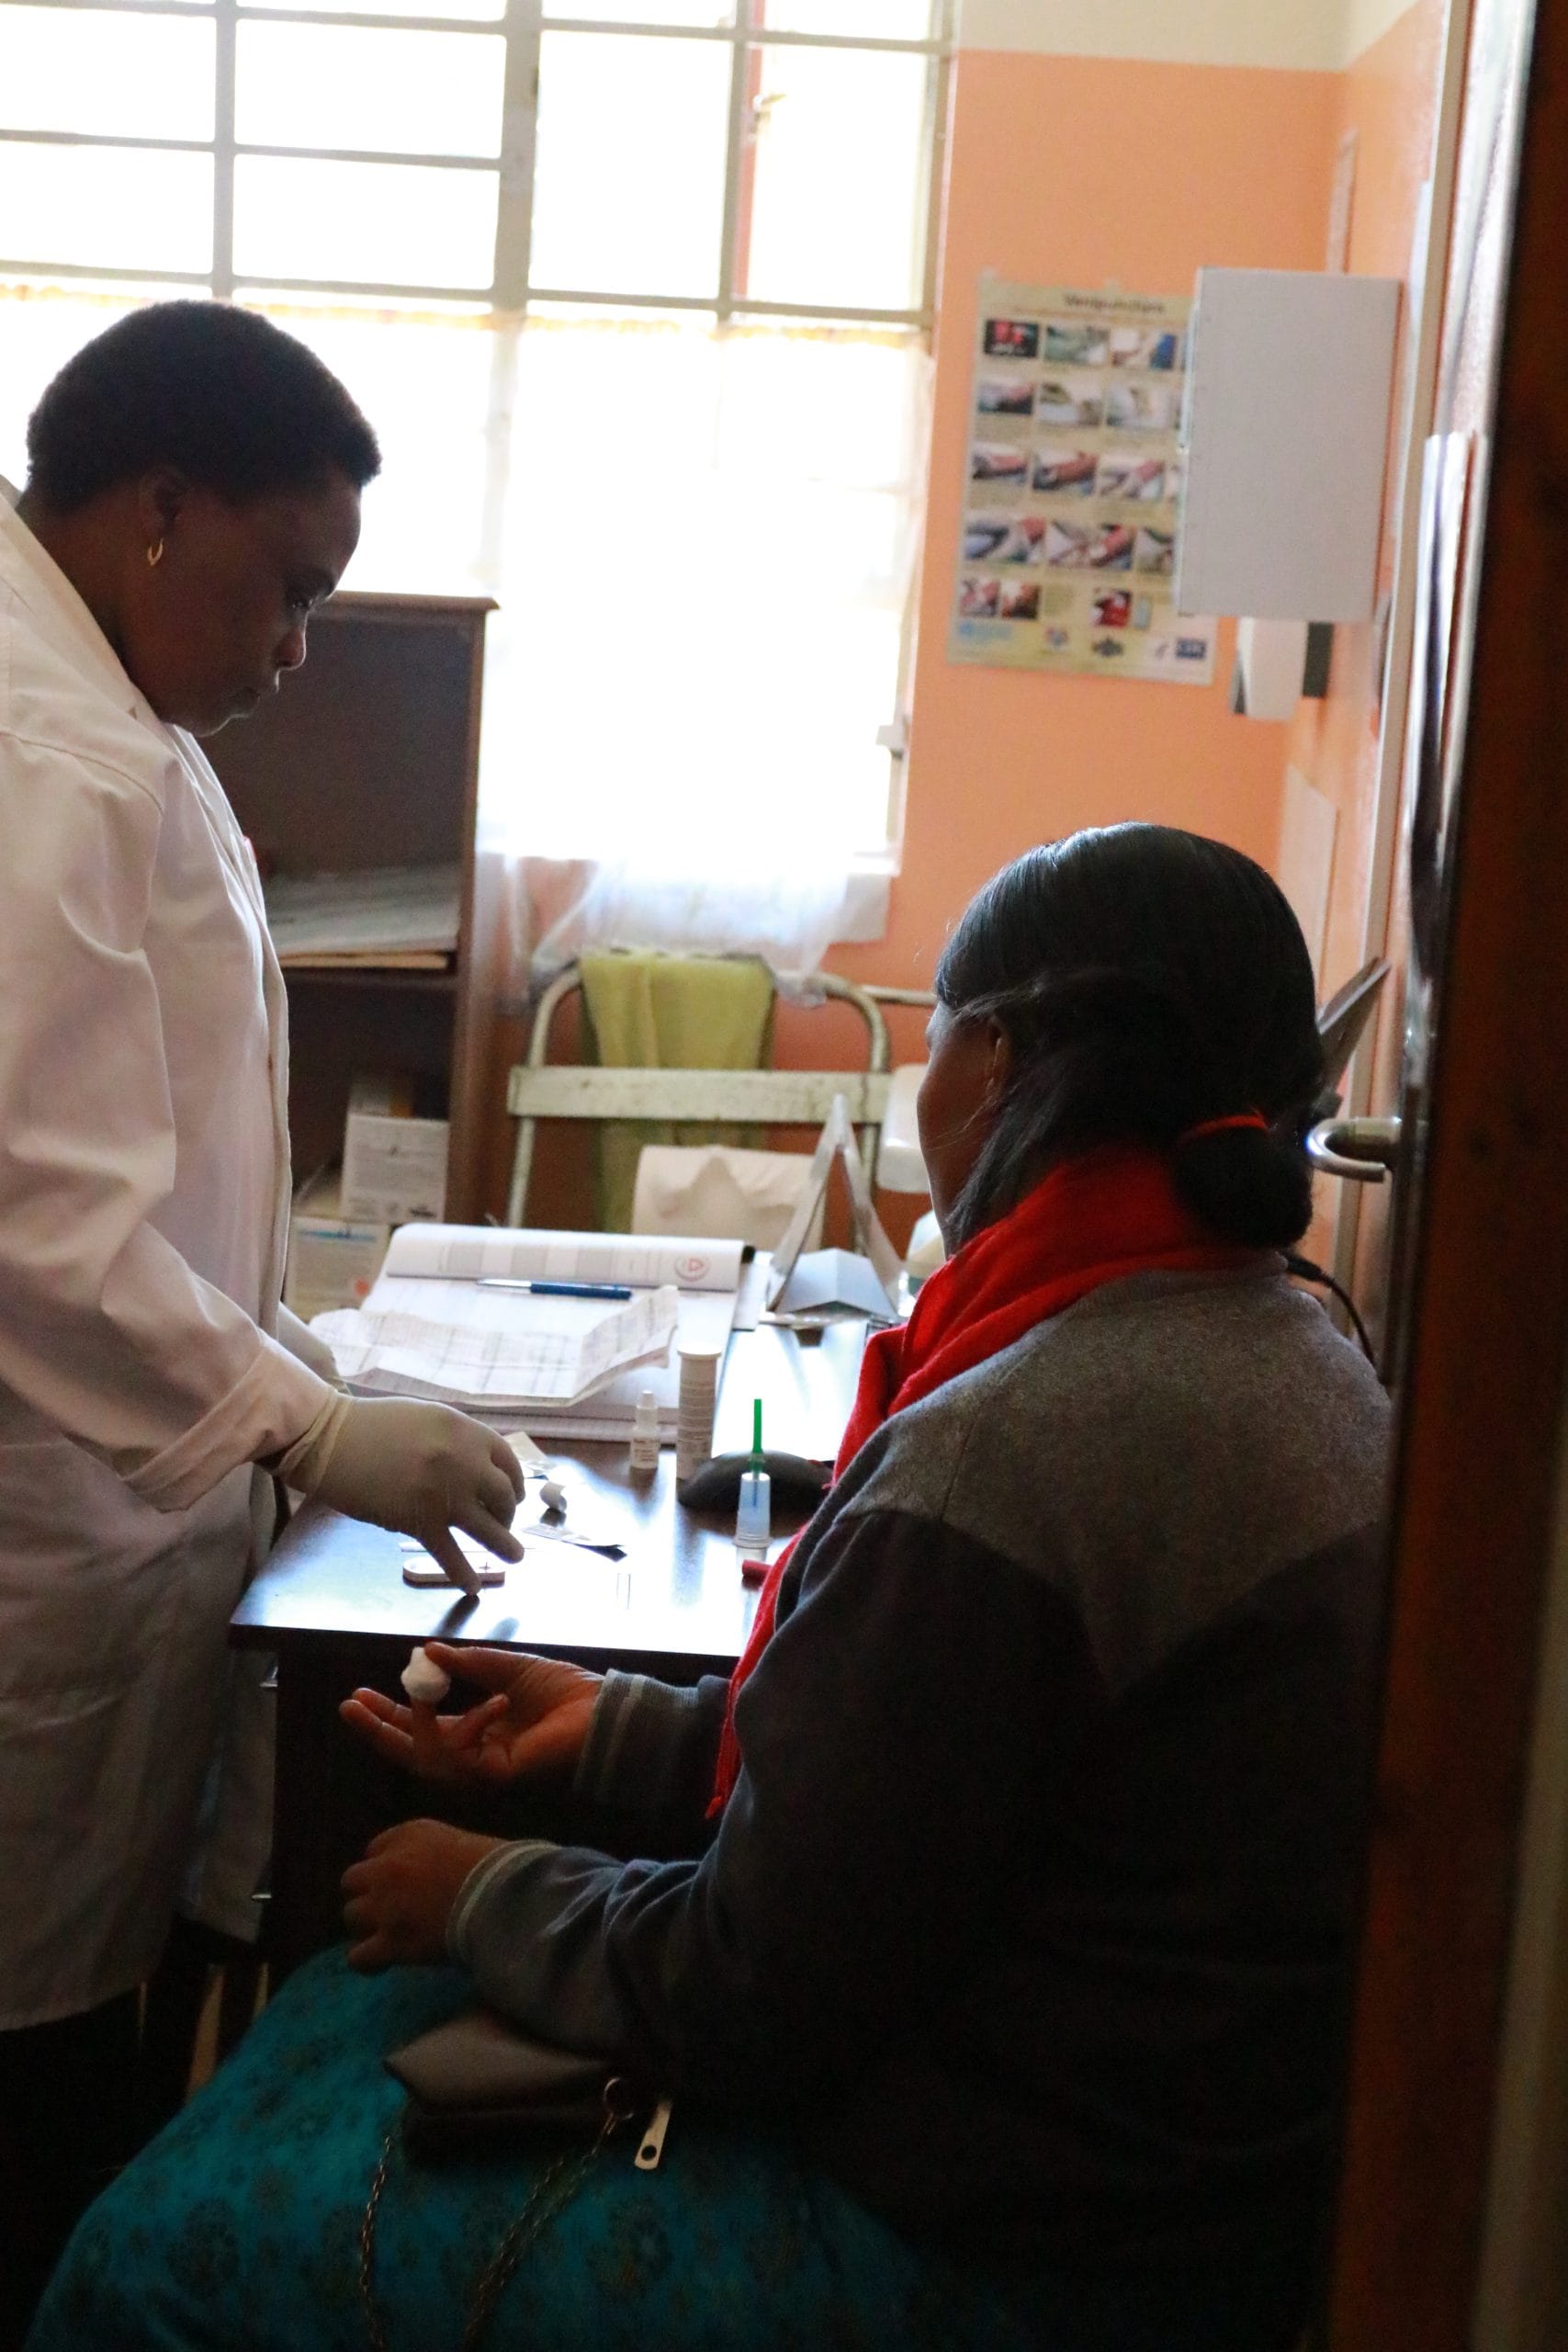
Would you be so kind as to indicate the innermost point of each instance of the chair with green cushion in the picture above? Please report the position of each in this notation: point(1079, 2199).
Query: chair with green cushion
point(712, 1016)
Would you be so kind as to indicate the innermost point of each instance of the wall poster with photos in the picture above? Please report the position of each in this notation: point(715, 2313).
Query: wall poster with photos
point(1073, 488)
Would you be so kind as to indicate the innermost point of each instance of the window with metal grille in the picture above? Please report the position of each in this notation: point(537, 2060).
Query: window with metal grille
point(636, 294)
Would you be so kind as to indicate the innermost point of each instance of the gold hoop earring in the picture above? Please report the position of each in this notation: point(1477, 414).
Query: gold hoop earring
point(155, 557)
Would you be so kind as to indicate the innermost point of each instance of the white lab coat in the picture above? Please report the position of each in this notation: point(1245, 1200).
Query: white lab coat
point(143, 1218)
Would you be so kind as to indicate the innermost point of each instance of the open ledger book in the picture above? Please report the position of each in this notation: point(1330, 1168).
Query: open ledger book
point(573, 1366)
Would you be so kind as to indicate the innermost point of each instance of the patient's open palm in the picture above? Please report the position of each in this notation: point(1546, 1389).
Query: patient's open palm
point(532, 1724)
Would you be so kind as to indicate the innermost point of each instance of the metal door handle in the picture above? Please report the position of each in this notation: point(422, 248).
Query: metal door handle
point(1363, 1149)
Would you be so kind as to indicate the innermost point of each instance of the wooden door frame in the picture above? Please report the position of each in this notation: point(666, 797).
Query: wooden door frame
point(1475, 1478)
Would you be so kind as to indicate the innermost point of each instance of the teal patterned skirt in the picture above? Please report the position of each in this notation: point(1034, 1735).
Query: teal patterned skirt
point(238, 2231)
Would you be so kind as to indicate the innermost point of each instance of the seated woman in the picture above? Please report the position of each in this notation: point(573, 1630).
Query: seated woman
point(998, 1992)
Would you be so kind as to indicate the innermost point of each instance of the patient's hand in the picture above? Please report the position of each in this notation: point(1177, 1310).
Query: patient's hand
point(532, 1725)
point(397, 1900)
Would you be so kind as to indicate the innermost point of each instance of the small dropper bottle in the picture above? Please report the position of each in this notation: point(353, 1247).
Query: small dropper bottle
point(753, 1520)
point(645, 1433)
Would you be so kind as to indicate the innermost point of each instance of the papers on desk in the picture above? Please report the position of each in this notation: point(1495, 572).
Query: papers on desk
point(512, 1366)
point(570, 1367)
point(470, 1253)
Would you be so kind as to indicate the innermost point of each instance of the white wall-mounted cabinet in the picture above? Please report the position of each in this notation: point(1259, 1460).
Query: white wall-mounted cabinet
point(1288, 397)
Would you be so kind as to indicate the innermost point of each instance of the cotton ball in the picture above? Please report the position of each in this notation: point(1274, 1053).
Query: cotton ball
point(424, 1681)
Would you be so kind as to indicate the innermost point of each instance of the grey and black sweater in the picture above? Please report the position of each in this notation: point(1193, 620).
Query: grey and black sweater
point(1029, 1911)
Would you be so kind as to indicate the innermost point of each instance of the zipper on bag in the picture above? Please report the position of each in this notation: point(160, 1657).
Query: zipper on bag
point(651, 2147)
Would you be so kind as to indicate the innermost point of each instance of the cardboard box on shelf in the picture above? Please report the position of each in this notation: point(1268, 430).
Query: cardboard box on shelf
point(332, 1259)
point(394, 1166)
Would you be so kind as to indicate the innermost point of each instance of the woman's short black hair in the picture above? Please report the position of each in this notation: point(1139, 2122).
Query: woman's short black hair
point(217, 391)
point(1148, 981)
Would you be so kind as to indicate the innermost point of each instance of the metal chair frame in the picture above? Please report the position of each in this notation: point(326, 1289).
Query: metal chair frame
point(776, 1098)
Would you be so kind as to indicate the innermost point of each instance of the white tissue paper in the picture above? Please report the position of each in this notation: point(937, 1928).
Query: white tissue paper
point(716, 1188)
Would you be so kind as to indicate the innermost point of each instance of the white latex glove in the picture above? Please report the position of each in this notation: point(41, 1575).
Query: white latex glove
point(309, 1346)
point(424, 1469)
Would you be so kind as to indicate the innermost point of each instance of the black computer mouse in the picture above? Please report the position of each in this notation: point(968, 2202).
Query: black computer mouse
point(797, 1483)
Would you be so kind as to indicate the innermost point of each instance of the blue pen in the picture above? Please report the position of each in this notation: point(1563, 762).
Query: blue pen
point(557, 1290)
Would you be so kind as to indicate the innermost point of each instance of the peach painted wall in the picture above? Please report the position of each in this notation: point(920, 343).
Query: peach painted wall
point(1077, 170)
point(1389, 97)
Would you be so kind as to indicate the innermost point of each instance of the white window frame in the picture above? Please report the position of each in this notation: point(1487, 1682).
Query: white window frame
point(510, 290)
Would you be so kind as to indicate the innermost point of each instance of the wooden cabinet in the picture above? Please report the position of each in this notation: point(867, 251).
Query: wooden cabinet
point(369, 757)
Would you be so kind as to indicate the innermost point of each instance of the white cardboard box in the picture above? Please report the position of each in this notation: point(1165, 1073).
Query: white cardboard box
point(394, 1169)
point(332, 1259)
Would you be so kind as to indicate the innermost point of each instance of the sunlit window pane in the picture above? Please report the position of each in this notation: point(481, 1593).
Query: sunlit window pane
point(120, 208)
point(382, 309)
point(874, 19)
point(765, 476)
point(492, 9)
point(422, 377)
point(330, 86)
point(42, 326)
point(99, 71)
point(837, 195)
point(394, 224)
point(628, 190)
point(643, 12)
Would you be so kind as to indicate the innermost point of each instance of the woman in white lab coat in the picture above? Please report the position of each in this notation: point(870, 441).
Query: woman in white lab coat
point(193, 493)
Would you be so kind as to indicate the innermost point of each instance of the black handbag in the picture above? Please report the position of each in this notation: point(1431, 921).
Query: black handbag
point(476, 2083)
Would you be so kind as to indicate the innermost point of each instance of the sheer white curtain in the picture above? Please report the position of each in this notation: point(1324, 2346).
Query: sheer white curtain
point(702, 541)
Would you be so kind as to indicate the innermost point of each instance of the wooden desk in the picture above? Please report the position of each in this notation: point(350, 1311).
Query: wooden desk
point(331, 1603)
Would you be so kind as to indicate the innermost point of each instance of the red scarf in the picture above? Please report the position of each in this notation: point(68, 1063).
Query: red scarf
point(1093, 1220)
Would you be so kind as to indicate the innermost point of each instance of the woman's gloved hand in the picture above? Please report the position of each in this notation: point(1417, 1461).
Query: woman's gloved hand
point(424, 1469)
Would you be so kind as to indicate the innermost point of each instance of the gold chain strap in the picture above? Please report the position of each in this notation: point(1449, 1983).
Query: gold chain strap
point(554, 2189)
point(551, 2193)
point(367, 2244)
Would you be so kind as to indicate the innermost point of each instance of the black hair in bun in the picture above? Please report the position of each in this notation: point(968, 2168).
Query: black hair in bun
point(1250, 1185)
